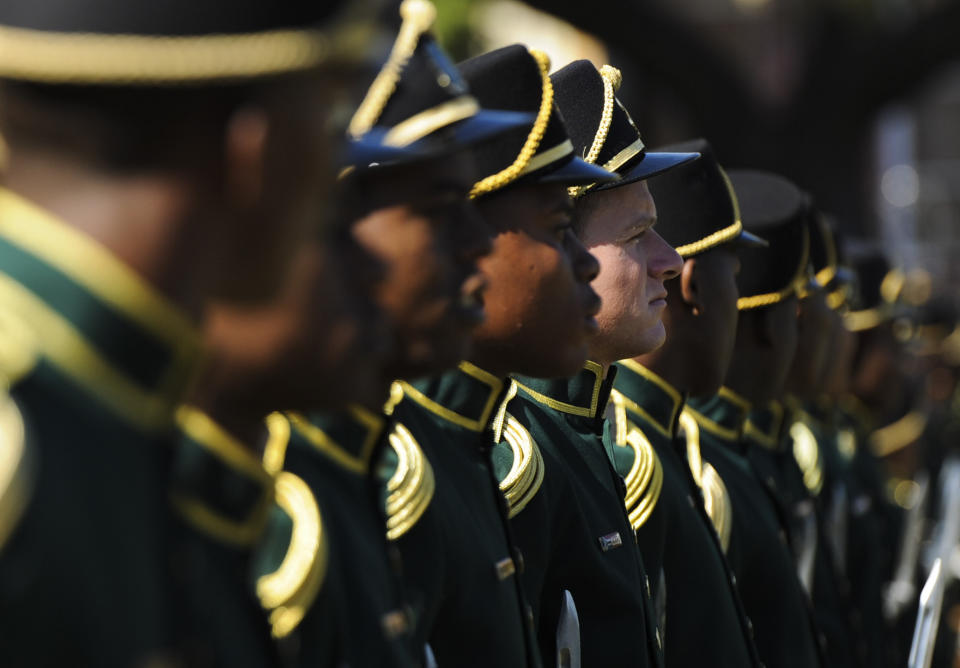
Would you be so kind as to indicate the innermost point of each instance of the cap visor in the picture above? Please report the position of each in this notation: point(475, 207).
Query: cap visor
point(370, 150)
point(488, 123)
point(577, 172)
point(654, 164)
point(749, 240)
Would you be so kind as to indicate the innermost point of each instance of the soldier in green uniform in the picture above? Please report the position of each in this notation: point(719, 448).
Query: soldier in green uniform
point(411, 213)
point(674, 514)
point(759, 550)
point(132, 200)
point(460, 564)
point(572, 525)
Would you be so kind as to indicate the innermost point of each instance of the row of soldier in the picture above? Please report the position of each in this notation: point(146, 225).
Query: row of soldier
point(497, 387)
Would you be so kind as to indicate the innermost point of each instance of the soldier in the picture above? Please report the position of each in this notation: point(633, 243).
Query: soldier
point(461, 567)
point(580, 549)
point(147, 149)
point(699, 216)
point(410, 213)
point(759, 550)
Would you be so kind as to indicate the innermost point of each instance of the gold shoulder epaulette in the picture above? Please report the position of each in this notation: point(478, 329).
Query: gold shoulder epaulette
point(644, 480)
point(289, 591)
point(716, 501)
point(16, 470)
point(523, 480)
point(807, 453)
point(19, 349)
point(410, 488)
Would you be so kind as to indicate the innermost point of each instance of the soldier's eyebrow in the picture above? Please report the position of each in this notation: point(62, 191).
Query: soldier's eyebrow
point(641, 223)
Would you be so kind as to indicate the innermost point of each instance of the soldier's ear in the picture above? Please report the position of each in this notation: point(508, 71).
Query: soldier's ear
point(245, 149)
point(690, 286)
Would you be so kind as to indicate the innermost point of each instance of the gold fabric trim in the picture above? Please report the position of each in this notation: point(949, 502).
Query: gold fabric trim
point(644, 481)
point(563, 407)
point(771, 298)
point(429, 121)
point(716, 501)
point(473, 424)
point(525, 477)
point(278, 438)
point(728, 233)
point(207, 433)
point(765, 439)
point(623, 157)
point(633, 407)
point(519, 167)
point(16, 468)
point(418, 17)
point(807, 453)
point(859, 321)
point(322, 442)
point(898, 435)
point(612, 78)
point(547, 157)
point(288, 592)
point(63, 57)
point(411, 487)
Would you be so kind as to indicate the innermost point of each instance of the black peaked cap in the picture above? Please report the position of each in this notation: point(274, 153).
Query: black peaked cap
point(510, 78)
point(581, 95)
point(697, 207)
point(776, 210)
point(178, 41)
point(429, 112)
point(823, 249)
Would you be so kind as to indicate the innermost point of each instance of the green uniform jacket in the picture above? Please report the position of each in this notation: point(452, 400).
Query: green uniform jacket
point(95, 568)
point(823, 474)
point(347, 607)
point(222, 495)
point(573, 531)
point(673, 526)
point(460, 566)
point(759, 550)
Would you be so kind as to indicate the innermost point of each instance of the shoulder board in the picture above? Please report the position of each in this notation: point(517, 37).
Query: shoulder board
point(16, 467)
point(716, 501)
point(525, 477)
point(644, 480)
point(288, 592)
point(807, 453)
point(410, 488)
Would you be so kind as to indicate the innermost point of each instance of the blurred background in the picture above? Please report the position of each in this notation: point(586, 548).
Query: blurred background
point(858, 101)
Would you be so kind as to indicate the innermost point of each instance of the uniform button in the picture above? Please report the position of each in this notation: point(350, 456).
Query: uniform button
point(518, 559)
point(646, 582)
point(659, 643)
point(749, 627)
point(771, 483)
point(691, 501)
point(733, 579)
point(783, 537)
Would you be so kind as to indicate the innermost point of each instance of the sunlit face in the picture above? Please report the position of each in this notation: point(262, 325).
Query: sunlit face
point(617, 227)
point(539, 304)
point(428, 238)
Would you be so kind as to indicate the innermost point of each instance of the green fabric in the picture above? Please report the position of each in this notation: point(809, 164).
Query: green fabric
point(759, 552)
point(471, 612)
point(562, 532)
point(702, 601)
point(362, 587)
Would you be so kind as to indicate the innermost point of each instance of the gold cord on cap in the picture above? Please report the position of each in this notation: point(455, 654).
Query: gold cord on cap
point(530, 146)
point(418, 17)
point(771, 298)
point(612, 78)
point(728, 233)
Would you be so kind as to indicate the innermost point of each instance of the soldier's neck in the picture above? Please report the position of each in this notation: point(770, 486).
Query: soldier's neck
point(672, 365)
point(144, 221)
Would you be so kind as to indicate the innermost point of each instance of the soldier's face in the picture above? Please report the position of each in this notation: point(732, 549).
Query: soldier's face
point(539, 304)
point(706, 324)
point(317, 346)
point(617, 227)
point(431, 290)
point(280, 171)
point(769, 337)
point(814, 327)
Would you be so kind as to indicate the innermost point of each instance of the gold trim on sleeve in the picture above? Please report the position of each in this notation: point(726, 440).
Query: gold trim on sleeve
point(288, 592)
point(16, 468)
point(525, 477)
point(411, 487)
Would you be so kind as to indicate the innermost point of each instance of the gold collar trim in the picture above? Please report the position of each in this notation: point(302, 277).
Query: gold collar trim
point(668, 430)
point(477, 424)
point(319, 439)
point(768, 439)
point(572, 409)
